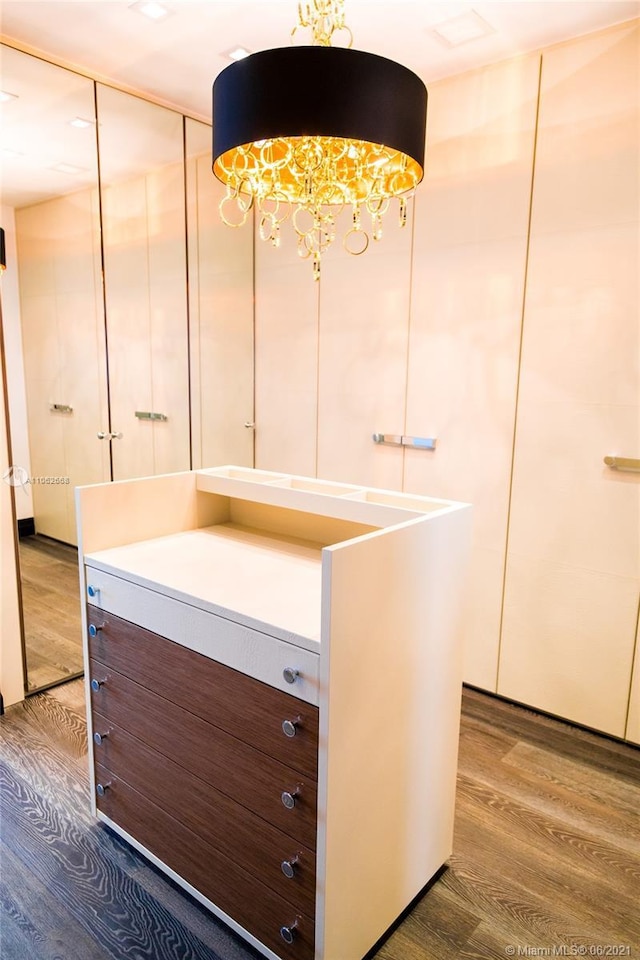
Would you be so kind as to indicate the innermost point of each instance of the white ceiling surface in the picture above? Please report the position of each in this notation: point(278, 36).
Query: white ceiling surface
point(176, 59)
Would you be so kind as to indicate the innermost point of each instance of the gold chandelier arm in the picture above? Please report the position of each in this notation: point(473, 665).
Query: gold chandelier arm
point(323, 18)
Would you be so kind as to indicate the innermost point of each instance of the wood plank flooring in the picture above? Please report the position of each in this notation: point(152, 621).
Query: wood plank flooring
point(51, 610)
point(546, 859)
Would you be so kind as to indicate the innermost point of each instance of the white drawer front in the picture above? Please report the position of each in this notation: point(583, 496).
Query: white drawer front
point(253, 653)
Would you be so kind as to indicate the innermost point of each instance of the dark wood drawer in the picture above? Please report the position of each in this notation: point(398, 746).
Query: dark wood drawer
point(237, 832)
point(252, 904)
point(248, 709)
point(236, 769)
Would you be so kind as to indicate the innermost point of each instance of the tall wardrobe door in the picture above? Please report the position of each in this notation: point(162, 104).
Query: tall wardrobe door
point(363, 341)
point(143, 220)
point(61, 305)
point(220, 315)
point(469, 263)
point(287, 305)
point(37, 245)
point(571, 597)
point(64, 348)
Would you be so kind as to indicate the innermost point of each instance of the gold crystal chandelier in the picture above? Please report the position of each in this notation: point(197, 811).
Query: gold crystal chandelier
point(353, 137)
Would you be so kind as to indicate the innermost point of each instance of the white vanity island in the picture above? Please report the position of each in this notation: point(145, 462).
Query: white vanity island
point(273, 669)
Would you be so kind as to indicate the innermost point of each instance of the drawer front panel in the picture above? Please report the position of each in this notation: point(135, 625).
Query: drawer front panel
point(233, 830)
point(244, 707)
point(257, 908)
point(236, 769)
point(251, 652)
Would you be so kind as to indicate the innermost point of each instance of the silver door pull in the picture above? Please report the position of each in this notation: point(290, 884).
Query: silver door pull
point(623, 463)
point(105, 435)
point(420, 443)
point(398, 440)
point(60, 408)
point(149, 415)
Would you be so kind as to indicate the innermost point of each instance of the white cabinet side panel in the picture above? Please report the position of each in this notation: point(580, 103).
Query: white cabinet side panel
point(389, 712)
point(113, 514)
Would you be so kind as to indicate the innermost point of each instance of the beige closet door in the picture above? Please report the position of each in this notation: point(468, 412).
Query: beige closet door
point(286, 380)
point(363, 341)
point(53, 188)
point(143, 222)
point(469, 264)
point(571, 597)
point(64, 352)
point(220, 316)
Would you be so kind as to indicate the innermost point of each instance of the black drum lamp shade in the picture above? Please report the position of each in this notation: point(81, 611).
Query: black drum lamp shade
point(352, 95)
point(302, 132)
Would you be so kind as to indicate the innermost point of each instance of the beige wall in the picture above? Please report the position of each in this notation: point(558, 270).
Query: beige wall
point(517, 280)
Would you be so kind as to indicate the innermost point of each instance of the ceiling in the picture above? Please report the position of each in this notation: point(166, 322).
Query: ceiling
point(175, 60)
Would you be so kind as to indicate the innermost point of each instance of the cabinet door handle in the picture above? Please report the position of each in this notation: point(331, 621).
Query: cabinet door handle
point(95, 628)
point(289, 798)
point(289, 727)
point(101, 788)
point(288, 932)
point(623, 463)
point(150, 415)
point(288, 867)
point(98, 738)
point(93, 591)
point(290, 674)
point(96, 684)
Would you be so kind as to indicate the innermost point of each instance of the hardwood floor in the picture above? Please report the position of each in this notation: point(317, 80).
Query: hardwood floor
point(546, 859)
point(51, 610)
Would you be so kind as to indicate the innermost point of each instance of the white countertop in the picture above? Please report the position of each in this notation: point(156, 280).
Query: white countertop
point(269, 582)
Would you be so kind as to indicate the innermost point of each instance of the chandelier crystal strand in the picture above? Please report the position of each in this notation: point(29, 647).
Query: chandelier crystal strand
point(311, 179)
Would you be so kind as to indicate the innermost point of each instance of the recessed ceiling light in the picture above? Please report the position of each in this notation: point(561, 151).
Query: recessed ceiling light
point(150, 9)
point(236, 53)
point(67, 168)
point(81, 123)
point(462, 29)
point(5, 96)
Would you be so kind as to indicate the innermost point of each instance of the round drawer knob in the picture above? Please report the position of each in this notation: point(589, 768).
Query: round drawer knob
point(290, 674)
point(288, 867)
point(101, 788)
point(94, 629)
point(289, 799)
point(288, 933)
point(93, 591)
point(96, 684)
point(99, 737)
point(289, 727)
